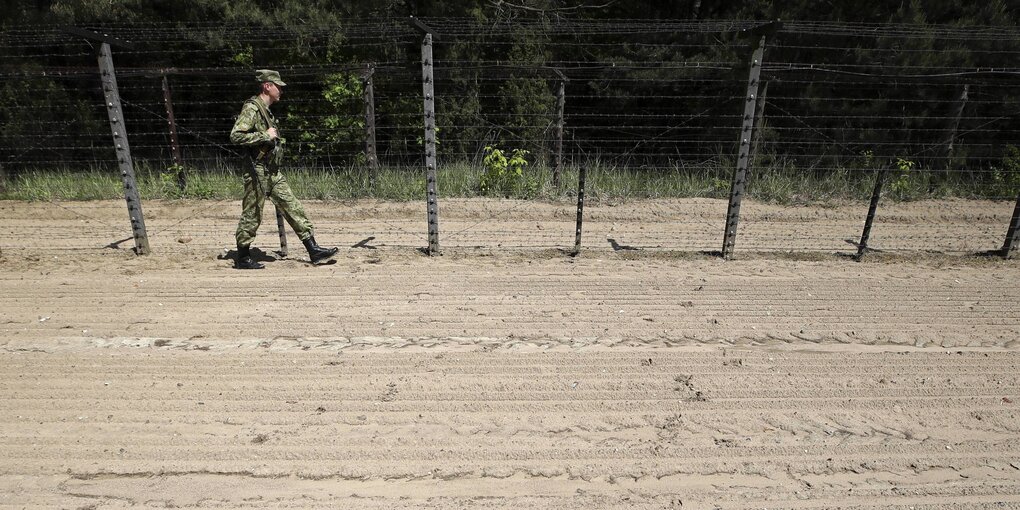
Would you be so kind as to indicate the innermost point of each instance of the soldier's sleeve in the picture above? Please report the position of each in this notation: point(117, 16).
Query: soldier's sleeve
point(245, 131)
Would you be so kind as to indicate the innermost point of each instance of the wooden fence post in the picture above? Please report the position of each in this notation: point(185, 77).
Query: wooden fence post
point(953, 128)
point(561, 101)
point(281, 228)
point(759, 121)
point(175, 148)
point(371, 156)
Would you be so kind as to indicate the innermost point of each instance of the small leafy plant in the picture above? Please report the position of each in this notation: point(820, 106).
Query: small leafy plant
point(505, 176)
point(901, 185)
point(169, 186)
point(1006, 177)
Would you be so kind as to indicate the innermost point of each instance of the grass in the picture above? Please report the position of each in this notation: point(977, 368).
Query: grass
point(782, 185)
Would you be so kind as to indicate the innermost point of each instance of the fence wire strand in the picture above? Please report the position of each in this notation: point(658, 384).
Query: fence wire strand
point(645, 101)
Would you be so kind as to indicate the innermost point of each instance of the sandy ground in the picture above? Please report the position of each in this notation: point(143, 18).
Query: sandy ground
point(640, 374)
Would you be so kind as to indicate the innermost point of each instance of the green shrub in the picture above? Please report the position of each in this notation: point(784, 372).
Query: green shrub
point(195, 187)
point(902, 183)
point(1006, 178)
point(505, 176)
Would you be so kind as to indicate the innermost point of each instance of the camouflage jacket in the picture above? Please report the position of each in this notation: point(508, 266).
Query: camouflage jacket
point(250, 131)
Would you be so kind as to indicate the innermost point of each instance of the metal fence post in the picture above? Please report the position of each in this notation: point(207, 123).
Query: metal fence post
point(429, 107)
point(740, 173)
point(862, 247)
point(120, 142)
point(1012, 243)
point(369, 98)
point(582, 176)
point(125, 164)
point(175, 148)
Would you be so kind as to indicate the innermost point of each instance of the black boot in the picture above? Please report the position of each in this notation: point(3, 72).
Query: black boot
point(316, 253)
point(244, 260)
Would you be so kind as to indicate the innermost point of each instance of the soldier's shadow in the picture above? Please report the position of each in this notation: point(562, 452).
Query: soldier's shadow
point(256, 254)
point(260, 256)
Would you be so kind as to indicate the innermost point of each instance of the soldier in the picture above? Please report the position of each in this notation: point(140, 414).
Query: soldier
point(256, 130)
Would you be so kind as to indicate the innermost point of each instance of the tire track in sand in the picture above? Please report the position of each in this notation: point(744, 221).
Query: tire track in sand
point(733, 428)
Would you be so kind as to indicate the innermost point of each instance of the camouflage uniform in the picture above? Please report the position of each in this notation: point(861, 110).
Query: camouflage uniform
point(263, 160)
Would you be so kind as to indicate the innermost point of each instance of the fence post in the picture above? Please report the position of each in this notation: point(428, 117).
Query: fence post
point(369, 98)
point(740, 173)
point(954, 126)
point(561, 101)
point(582, 176)
point(111, 95)
point(862, 247)
point(759, 120)
point(283, 232)
point(120, 141)
point(429, 107)
point(175, 148)
point(1012, 243)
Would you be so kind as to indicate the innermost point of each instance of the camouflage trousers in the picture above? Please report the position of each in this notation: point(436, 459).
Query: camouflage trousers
point(270, 184)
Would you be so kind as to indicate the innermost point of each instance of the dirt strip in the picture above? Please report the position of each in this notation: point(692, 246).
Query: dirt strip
point(495, 378)
point(279, 427)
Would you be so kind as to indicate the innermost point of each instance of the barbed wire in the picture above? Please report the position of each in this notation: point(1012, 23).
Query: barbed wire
point(650, 95)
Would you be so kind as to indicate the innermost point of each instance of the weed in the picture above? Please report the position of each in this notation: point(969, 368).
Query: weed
point(505, 176)
point(513, 176)
point(1006, 176)
point(900, 185)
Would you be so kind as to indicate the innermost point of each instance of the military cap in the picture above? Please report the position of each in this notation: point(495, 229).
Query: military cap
point(264, 75)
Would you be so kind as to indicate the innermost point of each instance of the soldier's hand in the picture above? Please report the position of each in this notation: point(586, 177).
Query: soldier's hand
point(273, 135)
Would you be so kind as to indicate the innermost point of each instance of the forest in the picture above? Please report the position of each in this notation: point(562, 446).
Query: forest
point(654, 87)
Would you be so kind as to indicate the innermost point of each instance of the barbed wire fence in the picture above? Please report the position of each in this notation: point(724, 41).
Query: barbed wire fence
point(735, 104)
